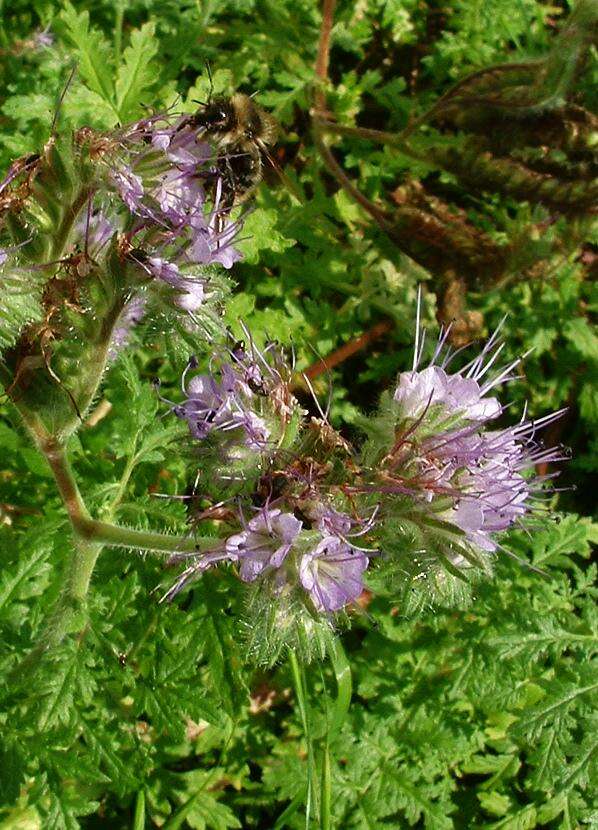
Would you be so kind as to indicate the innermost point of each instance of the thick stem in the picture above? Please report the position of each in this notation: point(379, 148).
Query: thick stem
point(92, 531)
point(381, 136)
point(320, 122)
point(347, 350)
point(323, 57)
point(126, 537)
point(380, 216)
point(55, 454)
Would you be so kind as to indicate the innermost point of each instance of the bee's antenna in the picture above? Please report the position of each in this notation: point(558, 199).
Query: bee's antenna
point(197, 101)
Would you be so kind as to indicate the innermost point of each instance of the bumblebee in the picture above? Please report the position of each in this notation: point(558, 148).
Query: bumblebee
point(242, 132)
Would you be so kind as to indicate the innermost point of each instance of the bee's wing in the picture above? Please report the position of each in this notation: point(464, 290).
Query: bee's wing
point(280, 172)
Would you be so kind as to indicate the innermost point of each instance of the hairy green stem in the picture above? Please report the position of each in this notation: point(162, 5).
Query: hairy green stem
point(91, 536)
point(146, 540)
point(93, 531)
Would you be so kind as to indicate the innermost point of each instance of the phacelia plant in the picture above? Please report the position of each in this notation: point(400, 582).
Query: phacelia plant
point(104, 230)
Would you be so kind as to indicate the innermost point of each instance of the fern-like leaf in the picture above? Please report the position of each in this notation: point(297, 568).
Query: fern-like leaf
point(137, 73)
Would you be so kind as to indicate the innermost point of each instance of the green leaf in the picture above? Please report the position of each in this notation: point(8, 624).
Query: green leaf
point(137, 74)
point(203, 812)
point(560, 539)
point(583, 336)
point(494, 803)
point(93, 53)
point(27, 578)
point(561, 696)
point(261, 232)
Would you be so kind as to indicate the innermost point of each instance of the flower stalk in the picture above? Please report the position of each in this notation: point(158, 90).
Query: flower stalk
point(90, 538)
point(95, 532)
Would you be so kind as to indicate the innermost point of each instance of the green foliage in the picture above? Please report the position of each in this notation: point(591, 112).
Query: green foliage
point(462, 715)
point(124, 85)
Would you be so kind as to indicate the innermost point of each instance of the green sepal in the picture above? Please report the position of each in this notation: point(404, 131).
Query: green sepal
point(274, 622)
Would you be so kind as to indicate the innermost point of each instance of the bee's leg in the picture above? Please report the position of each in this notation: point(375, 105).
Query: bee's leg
point(229, 185)
point(189, 121)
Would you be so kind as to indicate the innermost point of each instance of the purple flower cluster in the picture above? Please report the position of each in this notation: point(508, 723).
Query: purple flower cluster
point(245, 398)
point(446, 449)
point(273, 546)
point(163, 175)
point(328, 567)
point(436, 461)
point(298, 543)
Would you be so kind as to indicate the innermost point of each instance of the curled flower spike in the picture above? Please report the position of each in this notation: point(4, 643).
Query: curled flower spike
point(244, 401)
point(158, 169)
point(444, 455)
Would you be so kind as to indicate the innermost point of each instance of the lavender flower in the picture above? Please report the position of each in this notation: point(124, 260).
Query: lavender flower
point(264, 544)
point(494, 493)
point(38, 40)
point(444, 454)
point(130, 187)
point(245, 400)
point(328, 567)
point(458, 393)
point(416, 391)
point(274, 547)
point(94, 230)
point(162, 174)
point(222, 405)
point(332, 573)
point(329, 520)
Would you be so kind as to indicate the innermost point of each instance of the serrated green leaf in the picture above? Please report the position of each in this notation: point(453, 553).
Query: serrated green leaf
point(261, 231)
point(581, 334)
point(93, 52)
point(137, 73)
